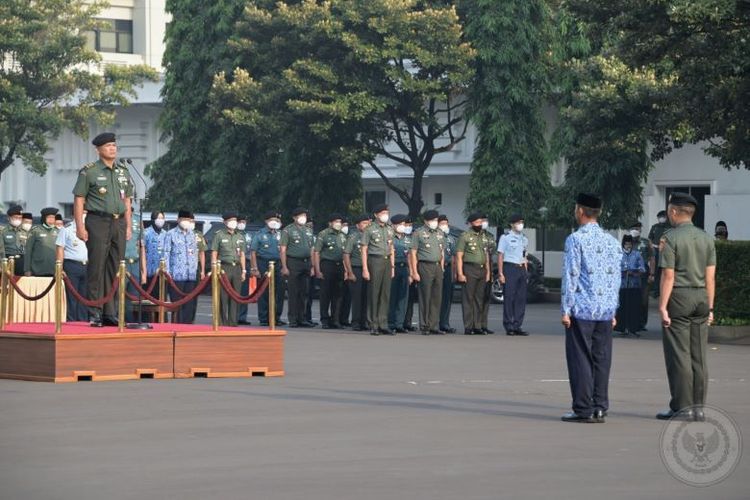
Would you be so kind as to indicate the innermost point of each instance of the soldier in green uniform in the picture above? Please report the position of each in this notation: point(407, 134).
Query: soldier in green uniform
point(105, 189)
point(427, 260)
point(201, 246)
point(353, 265)
point(491, 245)
point(448, 274)
point(14, 238)
point(654, 236)
point(328, 260)
point(378, 269)
point(688, 262)
point(295, 246)
point(473, 271)
point(643, 246)
point(228, 247)
point(41, 248)
point(402, 275)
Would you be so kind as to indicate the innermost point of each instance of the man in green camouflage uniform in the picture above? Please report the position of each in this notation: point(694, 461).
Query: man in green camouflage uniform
point(228, 246)
point(328, 259)
point(378, 268)
point(427, 254)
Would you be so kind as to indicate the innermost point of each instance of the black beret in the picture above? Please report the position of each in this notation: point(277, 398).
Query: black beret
point(58, 217)
point(360, 218)
point(443, 218)
point(104, 138)
point(155, 214)
point(335, 216)
point(379, 208)
point(49, 211)
point(242, 217)
point(682, 199)
point(662, 213)
point(636, 224)
point(473, 216)
point(515, 218)
point(408, 220)
point(27, 215)
point(15, 210)
point(430, 215)
point(229, 215)
point(398, 219)
point(721, 223)
point(589, 200)
point(299, 211)
point(184, 214)
point(271, 214)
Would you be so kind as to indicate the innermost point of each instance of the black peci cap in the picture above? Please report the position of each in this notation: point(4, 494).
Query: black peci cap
point(662, 213)
point(184, 214)
point(58, 216)
point(682, 200)
point(103, 139)
point(589, 200)
point(242, 217)
point(636, 224)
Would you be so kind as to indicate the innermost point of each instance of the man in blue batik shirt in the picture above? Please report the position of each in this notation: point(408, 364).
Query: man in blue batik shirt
point(181, 256)
point(589, 299)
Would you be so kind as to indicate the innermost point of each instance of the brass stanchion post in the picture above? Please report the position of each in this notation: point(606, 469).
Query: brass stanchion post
point(3, 291)
point(58, 296)
point(11, 293)
point(122, 279)
point(162, 288)
point(215, 312)
point(272, 295)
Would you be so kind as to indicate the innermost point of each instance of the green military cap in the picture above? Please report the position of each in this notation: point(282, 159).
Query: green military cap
point(299, 211)
point(335, 216)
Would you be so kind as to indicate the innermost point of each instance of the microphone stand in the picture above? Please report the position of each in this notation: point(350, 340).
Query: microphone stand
point(140, 325)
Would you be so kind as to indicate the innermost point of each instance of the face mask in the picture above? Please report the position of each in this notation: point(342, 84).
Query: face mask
point(662, 220)
point(26, 226)
point(241, 226)
point(185, 225)
point(159, 223)
point(635, 233)
point(59, 225)
point(384, 217)
point(408, 229)
point(401, 228)
point(518, 227)
point(627, 249)
point(301, 220)
point(445, 228)
point(345, 229)
point(432, 224)
point(232, 224)
point(15, 222)
point(274, 224)
point(336, 226)
point(485, 224)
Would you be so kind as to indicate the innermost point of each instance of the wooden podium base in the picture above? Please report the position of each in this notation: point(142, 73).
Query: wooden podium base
point(32, 351)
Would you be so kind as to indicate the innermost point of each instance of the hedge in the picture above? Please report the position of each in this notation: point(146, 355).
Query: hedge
point(732, 280)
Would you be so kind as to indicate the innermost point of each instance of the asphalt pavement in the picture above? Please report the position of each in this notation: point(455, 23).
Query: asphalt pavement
point(362, 417)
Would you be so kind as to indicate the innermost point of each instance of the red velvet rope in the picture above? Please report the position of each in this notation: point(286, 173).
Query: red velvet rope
point(250, 299)
point(14, 283)
point(173, 285)
point(168, 305)
point(90, 303)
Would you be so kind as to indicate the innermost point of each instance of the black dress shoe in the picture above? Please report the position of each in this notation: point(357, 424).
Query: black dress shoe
point(598, 416)
point(263, 323)
point(280, 323)
point(469, 331)
point(479, 331)
point(522, 333)
point(425, 332)
point(409, 328)
point(575, 417)
point(359, 328)
point(437, 332)
point(387, 331)
point(399, 330)
point(346, 325)
point(109, 321)
point(487, 331)
point(677, 415)
point(448, 329)
point(96, 321)
point(244, 322)
point(327, 326)
point(295, 325)
point(374, 332)
point(510, 332)
point(307, 324)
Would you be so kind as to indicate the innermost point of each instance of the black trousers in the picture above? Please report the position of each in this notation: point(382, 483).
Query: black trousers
point(331, 288)
point(76, 272)
point(346, 305)
point(186, 313)
point(410, 301)
point(358, 291)
point(298, 283)
point(106, 248)
point(447, 298)
point(514, 295)
point(263, 265)
point(229, 306)
point(18, 265)
point(629, 311)
point(588, 350)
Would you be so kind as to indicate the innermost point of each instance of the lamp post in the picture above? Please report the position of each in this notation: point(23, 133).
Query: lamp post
point(543, 212)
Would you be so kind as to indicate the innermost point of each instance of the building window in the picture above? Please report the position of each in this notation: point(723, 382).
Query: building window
point(697, 192)
point(112, 35)
point(438, 198)
point(372, 199)
point(67, 210)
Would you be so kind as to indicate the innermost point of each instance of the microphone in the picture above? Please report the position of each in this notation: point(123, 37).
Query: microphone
point(145, 186)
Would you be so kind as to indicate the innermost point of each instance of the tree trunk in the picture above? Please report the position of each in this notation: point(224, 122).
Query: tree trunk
point(416, 203)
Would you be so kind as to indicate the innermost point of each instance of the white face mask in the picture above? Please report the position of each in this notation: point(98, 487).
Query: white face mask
point(401, 228)
point(274, 224)
point(301, 220)
point(345, 229)
point(662, 220)
point(408, 229)
point(445, 228)
point(433, 224)
point(185, 224)
point(384, 217)
point(336, 226)
point(15, 222)
point(485, 224)
point(635, 233)
point(232, 224)
point(518, 227)
point(627, 249)
point(26, 226)
point(159, 223)
point(191, 226)
point(241, 226)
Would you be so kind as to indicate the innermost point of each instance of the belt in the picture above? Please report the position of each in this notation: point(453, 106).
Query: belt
point(339, 262)
point(303, 259)
point(513, 264)
point(429, 262)
point(693, 287)
point(371, 255)
point(230, 263)
point(82, 262)
point(401, 264)
point(473, 264)
point(104, 214)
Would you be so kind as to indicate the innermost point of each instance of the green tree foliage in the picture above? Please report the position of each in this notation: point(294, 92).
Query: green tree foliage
point(50, 81)
point(351, 80)
point(510, 170)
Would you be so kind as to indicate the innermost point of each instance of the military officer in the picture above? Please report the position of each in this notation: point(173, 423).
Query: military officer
point(75, 258)
point(589, 295)
point(378, 268)
point(228, 247)
point(643, 246)
point(513, 273)
point(40, 247)
point(490, 245)
point(473, 271)
point(346, 296)
point(242, 229)
point(448, 274)
point(686, 305)
point(427, 266)
point(202, 245)
point(105, 189)
point(353, 264)
point(295, 251)
point(264, 249)
point(14, 238)
point(402, 275)
point(328, 260)
point(654, 236)
point(413, 287)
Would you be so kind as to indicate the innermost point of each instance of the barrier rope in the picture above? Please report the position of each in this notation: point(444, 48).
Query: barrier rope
point(14, 282)
point(86, 302)
point(173, 285)
point(235, 296)
point(168, 305)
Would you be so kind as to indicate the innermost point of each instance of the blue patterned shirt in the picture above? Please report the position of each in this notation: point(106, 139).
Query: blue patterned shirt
point(632, 261)
point(591, 274)
point(181, 254)
point(153, 243)
point(265, 244)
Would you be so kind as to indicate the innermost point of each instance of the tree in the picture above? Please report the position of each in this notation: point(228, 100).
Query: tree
point(50, 80)
point(367, 78)
point(510, 170)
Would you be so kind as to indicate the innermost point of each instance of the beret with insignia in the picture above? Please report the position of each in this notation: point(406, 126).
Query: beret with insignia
point(103, 139)
point(398, 219)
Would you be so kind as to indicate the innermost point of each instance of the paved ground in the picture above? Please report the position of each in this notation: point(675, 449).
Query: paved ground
point(360, 417)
